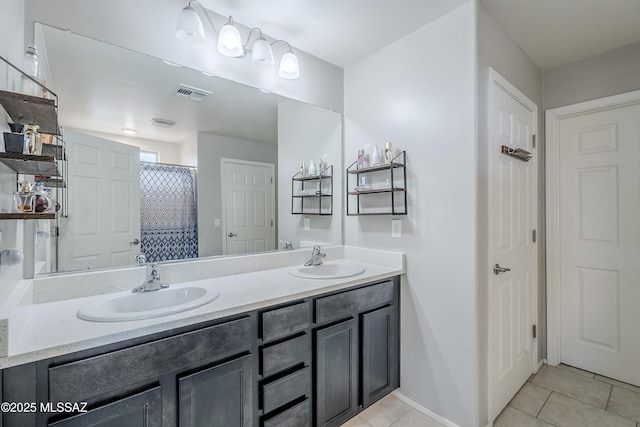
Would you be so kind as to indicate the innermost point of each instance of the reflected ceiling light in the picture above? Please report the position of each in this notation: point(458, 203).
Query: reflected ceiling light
point(189, 28)
point(129, 131)
point(173, 64)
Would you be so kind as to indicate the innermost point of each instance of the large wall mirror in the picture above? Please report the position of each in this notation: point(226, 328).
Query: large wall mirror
point(216, 182)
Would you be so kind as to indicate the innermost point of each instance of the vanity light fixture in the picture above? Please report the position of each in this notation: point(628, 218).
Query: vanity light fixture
point(190, 29)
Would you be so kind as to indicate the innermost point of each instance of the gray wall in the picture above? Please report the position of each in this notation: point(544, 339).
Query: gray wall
point(211, 148)
point(611, 73)
point(497, 50)
point(419, 93)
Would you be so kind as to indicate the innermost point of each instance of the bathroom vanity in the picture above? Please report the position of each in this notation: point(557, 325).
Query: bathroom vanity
point(316, 358)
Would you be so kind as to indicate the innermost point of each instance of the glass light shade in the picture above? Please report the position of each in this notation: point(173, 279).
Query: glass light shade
point(189, 27)
point(261, 53)
point(289, 67)
point(229, 40)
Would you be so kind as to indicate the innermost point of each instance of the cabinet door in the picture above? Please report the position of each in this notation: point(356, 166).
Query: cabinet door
point(220, 396)
point(379, 355)
point(337, 373)
point(140, 410)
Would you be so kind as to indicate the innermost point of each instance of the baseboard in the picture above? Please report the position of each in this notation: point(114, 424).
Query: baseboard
point(424, 410)
point(540, 364)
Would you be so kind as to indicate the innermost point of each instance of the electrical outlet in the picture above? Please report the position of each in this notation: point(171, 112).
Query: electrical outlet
point(307, 224)
point(396, 228)
point(216, 222)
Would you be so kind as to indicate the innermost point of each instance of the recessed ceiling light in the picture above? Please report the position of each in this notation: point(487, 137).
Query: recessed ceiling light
point(129, 131)
point(173, 64)
point(208, 74)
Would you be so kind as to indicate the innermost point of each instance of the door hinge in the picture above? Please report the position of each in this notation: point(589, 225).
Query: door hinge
point(534, 236)
point(271, 180)
point(534, 331)
point(533, 140)
point(55, 231)
point(272, 223)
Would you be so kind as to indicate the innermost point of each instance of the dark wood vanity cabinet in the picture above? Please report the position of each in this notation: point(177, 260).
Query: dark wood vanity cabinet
point(357, 353)
point(312, 362)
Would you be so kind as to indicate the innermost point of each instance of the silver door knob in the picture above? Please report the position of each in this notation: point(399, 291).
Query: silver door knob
point(232, 235)
point(498, 270)
point(134, 242)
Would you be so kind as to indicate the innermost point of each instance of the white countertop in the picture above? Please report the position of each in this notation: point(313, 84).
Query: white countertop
point(49, 329)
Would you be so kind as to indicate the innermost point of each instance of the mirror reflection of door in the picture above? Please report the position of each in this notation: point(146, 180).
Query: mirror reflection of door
point(248, 206)
point(104, 204)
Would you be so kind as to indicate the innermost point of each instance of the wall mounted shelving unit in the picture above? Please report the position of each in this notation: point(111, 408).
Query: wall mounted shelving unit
point(315, 190)
point(394, 175)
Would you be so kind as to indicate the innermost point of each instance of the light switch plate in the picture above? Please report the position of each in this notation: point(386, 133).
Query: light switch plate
point(307, 224)
point(396, 228)
point(216, 222)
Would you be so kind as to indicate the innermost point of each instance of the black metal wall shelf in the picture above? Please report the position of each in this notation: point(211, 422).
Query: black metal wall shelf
point(321, 195)
point(395, 186)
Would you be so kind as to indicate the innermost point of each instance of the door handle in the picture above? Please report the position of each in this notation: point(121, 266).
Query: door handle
point(231, 234)
point(498, 270)
point(134, 242)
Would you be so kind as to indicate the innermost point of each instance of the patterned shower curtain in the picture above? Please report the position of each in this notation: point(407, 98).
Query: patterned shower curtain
point(168, 213)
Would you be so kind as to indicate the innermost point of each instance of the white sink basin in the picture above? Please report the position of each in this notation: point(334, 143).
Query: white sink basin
point(125, 306)
point(335, 270)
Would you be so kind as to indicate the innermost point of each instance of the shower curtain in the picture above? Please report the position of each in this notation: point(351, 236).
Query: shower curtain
point(168, 213)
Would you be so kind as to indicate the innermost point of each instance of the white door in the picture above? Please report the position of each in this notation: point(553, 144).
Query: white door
point(512, 213)
point(104, 204)
point(248, 206)
point(599, 218)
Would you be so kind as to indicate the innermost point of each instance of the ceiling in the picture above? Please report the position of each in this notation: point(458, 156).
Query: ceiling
point(557, 32)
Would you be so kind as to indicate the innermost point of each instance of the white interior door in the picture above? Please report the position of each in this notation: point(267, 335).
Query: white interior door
point(249, 206)
point(512, 212)
point(104, 204)
point(599, 221)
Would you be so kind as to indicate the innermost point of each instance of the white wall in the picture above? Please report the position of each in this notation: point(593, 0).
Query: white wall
point(307, 132)
point(148, 26)
point(211, 148)
point(497, 50)
point(419, 93)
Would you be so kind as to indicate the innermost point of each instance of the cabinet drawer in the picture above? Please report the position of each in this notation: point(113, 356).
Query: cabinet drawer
point(286, 389)
point(343, 305)
point(88, 378)
point(285, 321)
point(286, 355)
point(297, 416)
point(142, 409)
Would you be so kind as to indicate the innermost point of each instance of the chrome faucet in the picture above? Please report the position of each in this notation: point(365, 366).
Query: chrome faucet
point(287, 245)
point(152, 282)
point(316, 256)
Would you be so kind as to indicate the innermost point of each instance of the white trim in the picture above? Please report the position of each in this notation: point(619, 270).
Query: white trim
point(496, 79)
point(552, 117)
point(224, 161)
point(423, 410)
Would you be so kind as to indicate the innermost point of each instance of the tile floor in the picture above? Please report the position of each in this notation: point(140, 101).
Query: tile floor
point(564, 396)
point(560, 396)
point(391, 411)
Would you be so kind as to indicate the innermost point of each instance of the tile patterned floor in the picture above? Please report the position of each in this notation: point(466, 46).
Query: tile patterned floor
point(560, 396)
point(564, 396)
point(391, 411)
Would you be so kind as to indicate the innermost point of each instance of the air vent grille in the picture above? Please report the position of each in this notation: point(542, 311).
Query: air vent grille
point(191, 93)
point(164, 123)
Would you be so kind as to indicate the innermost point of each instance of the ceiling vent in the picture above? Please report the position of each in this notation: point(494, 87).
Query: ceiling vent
point(163, 123)
point(191, 93)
